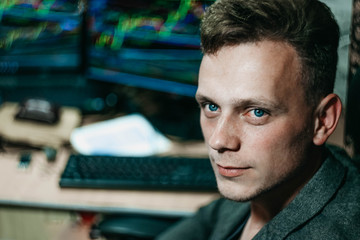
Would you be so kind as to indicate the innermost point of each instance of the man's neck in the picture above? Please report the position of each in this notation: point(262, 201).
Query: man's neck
point(266, 207)
point(262, 211)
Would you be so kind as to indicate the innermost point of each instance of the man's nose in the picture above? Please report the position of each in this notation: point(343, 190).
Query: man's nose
point(225, 135)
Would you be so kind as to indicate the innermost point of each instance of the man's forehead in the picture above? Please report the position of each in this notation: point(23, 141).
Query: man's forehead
point(272, 57)
point(250, 73)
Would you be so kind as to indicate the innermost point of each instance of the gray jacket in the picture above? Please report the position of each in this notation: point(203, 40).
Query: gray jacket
point(328, 207)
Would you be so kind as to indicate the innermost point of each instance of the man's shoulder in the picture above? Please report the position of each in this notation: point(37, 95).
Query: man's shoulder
point(328, 206)
point(341, 216)
point(343, 157)
point(348, 192)
point(352, 166)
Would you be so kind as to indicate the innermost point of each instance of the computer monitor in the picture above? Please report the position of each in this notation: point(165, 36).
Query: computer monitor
point(42, 53)
point(151, 44)
point(40, 37)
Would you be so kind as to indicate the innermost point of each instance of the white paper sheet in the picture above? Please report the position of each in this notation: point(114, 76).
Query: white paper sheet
point(131, 135)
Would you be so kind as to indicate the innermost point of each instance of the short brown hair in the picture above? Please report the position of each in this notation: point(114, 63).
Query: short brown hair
point(307, 25)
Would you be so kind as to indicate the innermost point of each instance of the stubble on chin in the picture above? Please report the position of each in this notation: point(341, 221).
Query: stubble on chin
point(231, 192)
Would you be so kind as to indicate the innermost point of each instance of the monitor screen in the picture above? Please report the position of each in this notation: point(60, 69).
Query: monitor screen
point(40, 36)
point(153, 44)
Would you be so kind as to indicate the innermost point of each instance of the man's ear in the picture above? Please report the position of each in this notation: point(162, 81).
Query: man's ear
point(326, 118)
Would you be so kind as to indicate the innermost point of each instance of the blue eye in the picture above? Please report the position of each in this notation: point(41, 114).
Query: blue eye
point(259, 112)
point(213, 107)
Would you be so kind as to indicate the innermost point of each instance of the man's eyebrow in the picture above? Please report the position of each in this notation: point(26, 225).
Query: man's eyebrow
point(259, 102)
point(252, 102)
point(202, 98)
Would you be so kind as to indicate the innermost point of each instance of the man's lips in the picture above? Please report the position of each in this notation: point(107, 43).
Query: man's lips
point(228, 171)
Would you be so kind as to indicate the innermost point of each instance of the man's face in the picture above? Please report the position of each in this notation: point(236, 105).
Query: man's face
point(255, 120)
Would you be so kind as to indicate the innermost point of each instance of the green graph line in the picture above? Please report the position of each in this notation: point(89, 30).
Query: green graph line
point(45, 6)
point(6, 4)
point(173, 18)
point(16, 34)
point(128, 23)
point(43, 9)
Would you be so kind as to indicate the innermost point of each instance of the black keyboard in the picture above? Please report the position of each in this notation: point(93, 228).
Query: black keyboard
point(153, 173)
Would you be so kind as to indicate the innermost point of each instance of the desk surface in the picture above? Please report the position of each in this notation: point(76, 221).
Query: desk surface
point(37, 186)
